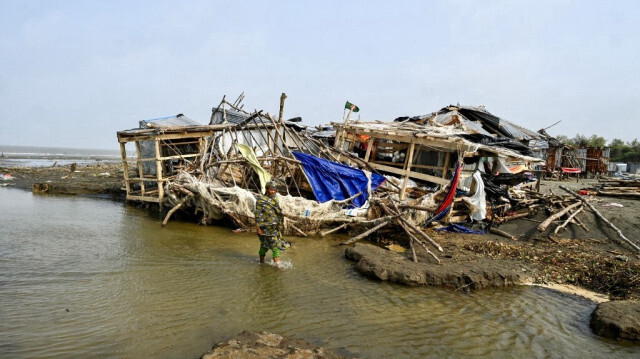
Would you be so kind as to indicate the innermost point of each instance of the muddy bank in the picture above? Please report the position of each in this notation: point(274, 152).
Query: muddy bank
point(98, 178)
point(617, 320)
point(376, 262)
point(251, 345)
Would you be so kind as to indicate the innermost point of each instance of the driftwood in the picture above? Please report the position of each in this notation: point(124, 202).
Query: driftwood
point(322, 234)
point(297, 230)
point(412, 237)
point(411, 225)
point(591, 207)
point(568, 220)
point(420, 232)
point(578, 221)
point(503, 233)
point(512, 217)
point(175, 208)
point(363, 235)
point(559, 214)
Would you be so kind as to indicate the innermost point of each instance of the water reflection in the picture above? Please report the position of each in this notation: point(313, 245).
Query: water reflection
point(95, 278)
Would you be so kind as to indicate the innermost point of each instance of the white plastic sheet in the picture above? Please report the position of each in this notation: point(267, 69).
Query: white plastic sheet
point(478, 201)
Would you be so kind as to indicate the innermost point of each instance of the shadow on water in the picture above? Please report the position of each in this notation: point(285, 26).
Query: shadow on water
point(95, 278)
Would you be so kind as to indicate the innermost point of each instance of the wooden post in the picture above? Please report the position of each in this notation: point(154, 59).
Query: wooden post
point(407, 169)
point(339, 143)
point(369, 145)
point(125, 166)
point(445, 169)
point(140, 168)
point(159, 172)
point(282, 98)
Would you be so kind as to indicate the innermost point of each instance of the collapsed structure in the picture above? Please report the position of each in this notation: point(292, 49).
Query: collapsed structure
point(444, 167)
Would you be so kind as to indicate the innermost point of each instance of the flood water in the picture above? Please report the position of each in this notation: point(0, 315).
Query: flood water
point(94, 278)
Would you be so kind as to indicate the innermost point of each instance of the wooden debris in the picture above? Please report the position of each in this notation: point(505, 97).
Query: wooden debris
point(365, 234)
point(592, 208)
point(559, 214)
point(502, 233)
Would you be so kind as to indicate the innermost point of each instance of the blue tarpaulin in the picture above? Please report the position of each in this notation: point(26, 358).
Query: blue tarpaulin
point(457, 228)
point(332, 180)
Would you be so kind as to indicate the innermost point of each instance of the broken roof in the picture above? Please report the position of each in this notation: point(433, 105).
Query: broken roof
point(435, 135)
point(169, 121)
point(475, 119)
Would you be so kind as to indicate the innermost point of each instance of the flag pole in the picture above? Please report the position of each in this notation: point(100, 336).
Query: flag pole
point(343, 133)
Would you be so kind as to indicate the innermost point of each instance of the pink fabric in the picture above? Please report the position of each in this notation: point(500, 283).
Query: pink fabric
point(570, 170)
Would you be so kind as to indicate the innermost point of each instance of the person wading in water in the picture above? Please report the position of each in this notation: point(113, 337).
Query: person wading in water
point(269, 224)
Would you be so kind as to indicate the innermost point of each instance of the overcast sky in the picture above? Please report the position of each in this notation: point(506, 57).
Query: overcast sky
point(73, 73)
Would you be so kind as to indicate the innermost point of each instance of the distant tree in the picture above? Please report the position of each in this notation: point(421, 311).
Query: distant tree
point(564, 139)
point(596, 141)
point(617, 147)
point(581, 141)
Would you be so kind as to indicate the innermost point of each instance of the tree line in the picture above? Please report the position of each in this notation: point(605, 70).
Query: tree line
point(620, 151)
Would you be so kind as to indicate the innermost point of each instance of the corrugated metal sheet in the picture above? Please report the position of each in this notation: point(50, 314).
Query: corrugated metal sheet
point(232, 116)
point(169, 121)
point(497, 124)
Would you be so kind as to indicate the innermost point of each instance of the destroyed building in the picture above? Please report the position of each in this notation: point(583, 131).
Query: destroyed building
point(444, 167)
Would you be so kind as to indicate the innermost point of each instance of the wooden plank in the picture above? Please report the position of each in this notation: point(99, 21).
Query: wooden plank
point(421, 176)
point(369, 146)
point(143, 198)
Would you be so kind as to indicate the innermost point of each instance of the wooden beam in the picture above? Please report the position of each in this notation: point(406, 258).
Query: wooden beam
point(420, 176)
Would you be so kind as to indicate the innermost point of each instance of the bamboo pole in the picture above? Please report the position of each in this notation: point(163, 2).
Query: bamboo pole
point(591, 207)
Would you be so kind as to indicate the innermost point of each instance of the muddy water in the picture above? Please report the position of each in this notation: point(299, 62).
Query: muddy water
point(88, 278)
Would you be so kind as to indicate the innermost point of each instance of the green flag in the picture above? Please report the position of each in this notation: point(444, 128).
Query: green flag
point(351, 106)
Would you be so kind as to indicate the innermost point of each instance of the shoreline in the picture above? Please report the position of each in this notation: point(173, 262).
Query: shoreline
point(572, 289)
point(471, 262)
